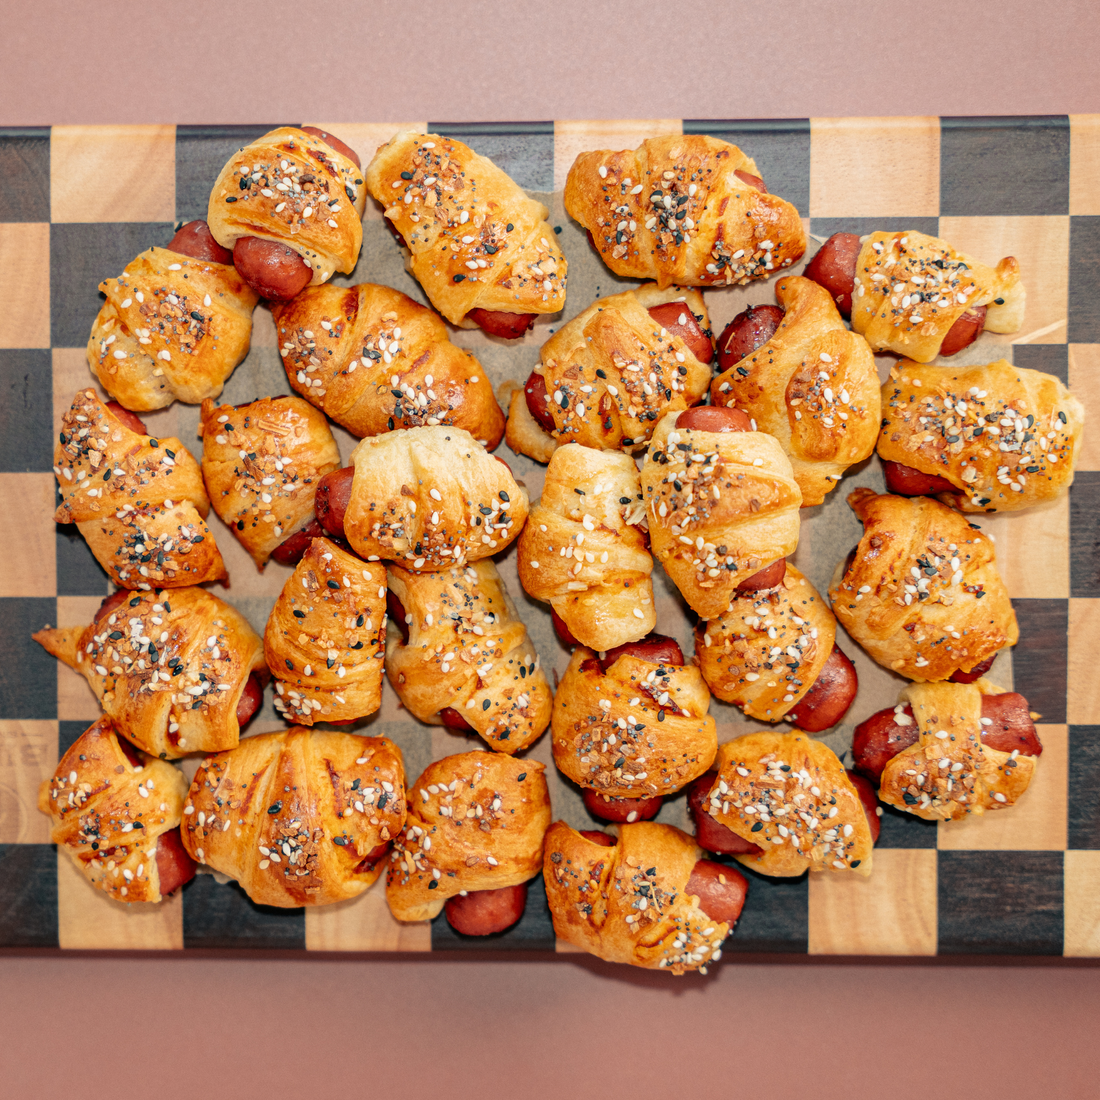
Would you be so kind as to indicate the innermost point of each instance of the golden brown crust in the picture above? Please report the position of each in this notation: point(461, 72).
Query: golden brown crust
point(949, 773)
point(476, 240)
point(639, 730)
point(674, 210)
point(374, 360)
point(192, 710)
point(911, 288)
point(523, 433)
point(324, 639)
point(923, 595)
point(583, 551)
point(1004, 436)
point(813, 385)
point(172, 328)
point(295, 189)
point(297, 817)
point(630, 903)
point(261, 463)
point(791, 796)
point(769, 648)
point(108, 814)
point(613, 371)
point(476, 822)
point(735, 511)
point(431, 498)
point(138, 501)
point(468, 651)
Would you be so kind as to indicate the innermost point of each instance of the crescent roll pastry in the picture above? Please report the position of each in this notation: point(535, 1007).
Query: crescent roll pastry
point(172, 328)
point(431, 498)
point(767, 650)
point(476, 822)
point(168, 666)
point(949, 772)
point(476, 241)
point(261, 463)
point(922, 595)
point(468, 654)
point(1003, 436)
point(629, 903)
point(679, 209)
point(790, 795)
point(298, 817)
point(324, 639)
point(581, 548)
point(374, 360)
point(110, 812)
point(720, 506)
point(814, 386)
point(138, 501)
point(638, 730)
point(295, 189)
point(911, 288)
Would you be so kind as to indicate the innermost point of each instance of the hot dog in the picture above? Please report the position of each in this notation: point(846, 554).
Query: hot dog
point(907, 482)
point(711, 834)
point(881, 737)
point(483, 912)
point(271, 269)
point(495, 322)
point(768, 577)
point(174, 866)
point(251, 699)
point(714, 418)
point(195, 239)
point(336, 144)
point(658, 648)
point(290, 551)
point(563, 632)
point(721, 890)
point(124, 416)
point(620, 810)
point(870, 802)
point(751, 180)
point(332, 498)
point(111, 602)
point(964, 331)
point(377, 852)
point(976, 673)
point(678, 319)
point(605, 840)
point(830, 697)
point(749, 331)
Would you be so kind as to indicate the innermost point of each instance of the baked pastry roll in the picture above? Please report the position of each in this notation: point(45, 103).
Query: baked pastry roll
point(813, 385)
point(324, 638)
point(261, 463)
point(720, 506)
point(685, 209)
point(173, 328)
point(612, 372)
point(643, 899)
point(116, 814)
point(374, 360)
point(477, 243)
point(922, 594)
point(170, 667)
point(994, 438)
point(476, 822)
point(139, 502)
point(790, 795)
point(637, 729)
point(582, 548)
point(297, 190)
point(298, 817)
point(431, 498)
point(948, 750)
point(458, 654)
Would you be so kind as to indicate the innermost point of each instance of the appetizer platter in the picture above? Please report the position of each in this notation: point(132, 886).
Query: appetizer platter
point(665, 540)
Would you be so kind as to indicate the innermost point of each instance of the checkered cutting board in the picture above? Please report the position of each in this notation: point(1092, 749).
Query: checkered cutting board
point(78, 203)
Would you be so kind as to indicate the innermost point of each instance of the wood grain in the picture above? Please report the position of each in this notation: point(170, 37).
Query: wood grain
point(1082, 901)
point(28, 756)
point(364, 924)
point(24, 285)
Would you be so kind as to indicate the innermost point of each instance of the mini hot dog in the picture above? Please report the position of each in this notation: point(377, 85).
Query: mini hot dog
point(483, 912)
point(195, 239)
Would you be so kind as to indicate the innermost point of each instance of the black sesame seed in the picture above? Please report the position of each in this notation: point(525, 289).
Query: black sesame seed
point(333, 584)
point(485, 704)
point(459, 278)
point(275, 807)
point(299, 614)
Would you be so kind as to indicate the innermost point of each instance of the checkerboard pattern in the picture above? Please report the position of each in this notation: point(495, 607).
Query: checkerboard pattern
point(77, 203)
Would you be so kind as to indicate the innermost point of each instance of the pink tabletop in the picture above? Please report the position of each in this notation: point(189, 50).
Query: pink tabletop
point(573, 1026)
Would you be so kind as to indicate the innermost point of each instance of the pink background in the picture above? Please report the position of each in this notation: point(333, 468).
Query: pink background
point(114, 1026)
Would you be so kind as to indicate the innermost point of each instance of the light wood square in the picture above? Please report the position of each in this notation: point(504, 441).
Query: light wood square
point(1082, 904)
point(573, 138)
point(24, 285)
point(88, 920)
point(76, 702)
point(891, 912)
point(874, 167)
point(1032, 548)
point(1083, 683)
point(1084, 164)
point(30, 550)
point(364, 924)
point(1041, 245)
point(1037, 823)
point(28, 755)
point(71, 374)
point(1084, 381)
point(113, 173)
